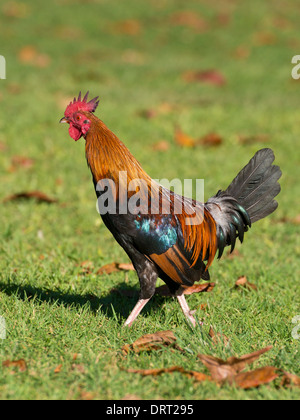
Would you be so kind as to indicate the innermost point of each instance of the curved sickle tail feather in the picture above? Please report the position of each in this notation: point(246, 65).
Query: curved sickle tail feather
point(249, 198)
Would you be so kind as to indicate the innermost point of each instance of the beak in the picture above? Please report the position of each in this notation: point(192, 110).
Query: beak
point(64, 120)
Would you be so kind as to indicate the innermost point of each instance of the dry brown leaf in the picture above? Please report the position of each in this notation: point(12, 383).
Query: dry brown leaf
point(161, 146)
point(128, 27)
point(183, 139)
point(189, 19)
point(151, 342)
point(255, 138)
point(198, 376)
point(16, 9)
point(19, 364)
point(196, 288)
point(30, 55)
point(87, 395)
point(20, 162)
point(213, 77)
point(243, 282)
point(114, 267)
point(37, 195)
point(58, 368)
point(222, 370)
point(289, 379)
point(131, 397)
point(211, 139)
point(255, 378)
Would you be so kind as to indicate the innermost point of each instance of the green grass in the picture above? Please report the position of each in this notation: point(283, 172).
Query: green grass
point(54, 314)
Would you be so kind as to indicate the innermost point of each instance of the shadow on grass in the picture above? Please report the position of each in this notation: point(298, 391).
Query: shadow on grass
point(117, 303)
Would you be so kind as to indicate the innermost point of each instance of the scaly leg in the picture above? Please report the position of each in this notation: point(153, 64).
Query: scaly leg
point(136, 310)
point(186, 310)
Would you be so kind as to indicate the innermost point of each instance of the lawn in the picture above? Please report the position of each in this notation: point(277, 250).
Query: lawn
point(142, 59)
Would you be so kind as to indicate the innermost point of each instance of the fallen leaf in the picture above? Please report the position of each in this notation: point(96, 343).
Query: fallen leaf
point(198, 376)
point(38, 195)
point(19, 364)
point(15, 9)
point(2, 146)
point(151, 342)
point(22, 162)
point(255, 378)
point(30, 55)
point(114, 267)
point(131, 397)
point(58, 368)
point(225, 370)
point(211, 139)
point(196, 288)
point(183, 139)
point(255, 138)
point(265, 38)
point(189, 19)
point(213, 77)
point(243, 282)
point(87, 267)
point(128, 27)
point(87, 395)
point(161, 146)
point(289, 379)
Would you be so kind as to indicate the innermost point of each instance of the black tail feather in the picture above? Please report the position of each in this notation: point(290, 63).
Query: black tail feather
point(249, 198)
point(256, 185)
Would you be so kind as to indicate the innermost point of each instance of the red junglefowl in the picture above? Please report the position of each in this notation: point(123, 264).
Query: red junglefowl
point(177, 246)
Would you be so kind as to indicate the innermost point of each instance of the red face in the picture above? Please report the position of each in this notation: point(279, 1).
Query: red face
point(79, 125)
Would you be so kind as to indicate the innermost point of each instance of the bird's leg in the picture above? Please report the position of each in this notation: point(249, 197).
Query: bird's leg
point(136, 310)
point(186, 310)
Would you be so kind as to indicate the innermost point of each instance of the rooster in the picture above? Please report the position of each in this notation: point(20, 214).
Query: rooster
point(177, 246)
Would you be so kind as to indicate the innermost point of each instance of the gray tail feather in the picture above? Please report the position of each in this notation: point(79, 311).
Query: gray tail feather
point(250, 197)
point(256, 185)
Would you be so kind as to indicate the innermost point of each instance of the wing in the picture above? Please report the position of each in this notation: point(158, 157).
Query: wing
point(179, 241)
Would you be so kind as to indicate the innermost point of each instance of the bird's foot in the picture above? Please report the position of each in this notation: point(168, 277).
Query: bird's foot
point(186, 310)
point(135, 312)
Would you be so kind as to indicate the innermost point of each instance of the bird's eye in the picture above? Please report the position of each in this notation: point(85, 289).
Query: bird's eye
point(78, 117)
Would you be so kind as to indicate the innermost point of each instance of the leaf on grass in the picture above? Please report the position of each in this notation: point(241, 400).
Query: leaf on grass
point(222, 370)
point(151, 342)
point(58, 368)
point(114, 267)
point(243, 282)
point(255, 138)
point(183, 139)
point(161, 146)
point(198, 376)
point(22, 162)
point(38, 195)
point(211, 139)
point(255, 378)
point(19, 364)
point(213, 77)
point(30, 55)
point(289, 379)
point(128, 27)
point(196, 288)
point(16, 9)
point(189, 19)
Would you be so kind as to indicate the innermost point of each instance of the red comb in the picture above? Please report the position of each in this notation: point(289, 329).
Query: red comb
point(81, 105)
